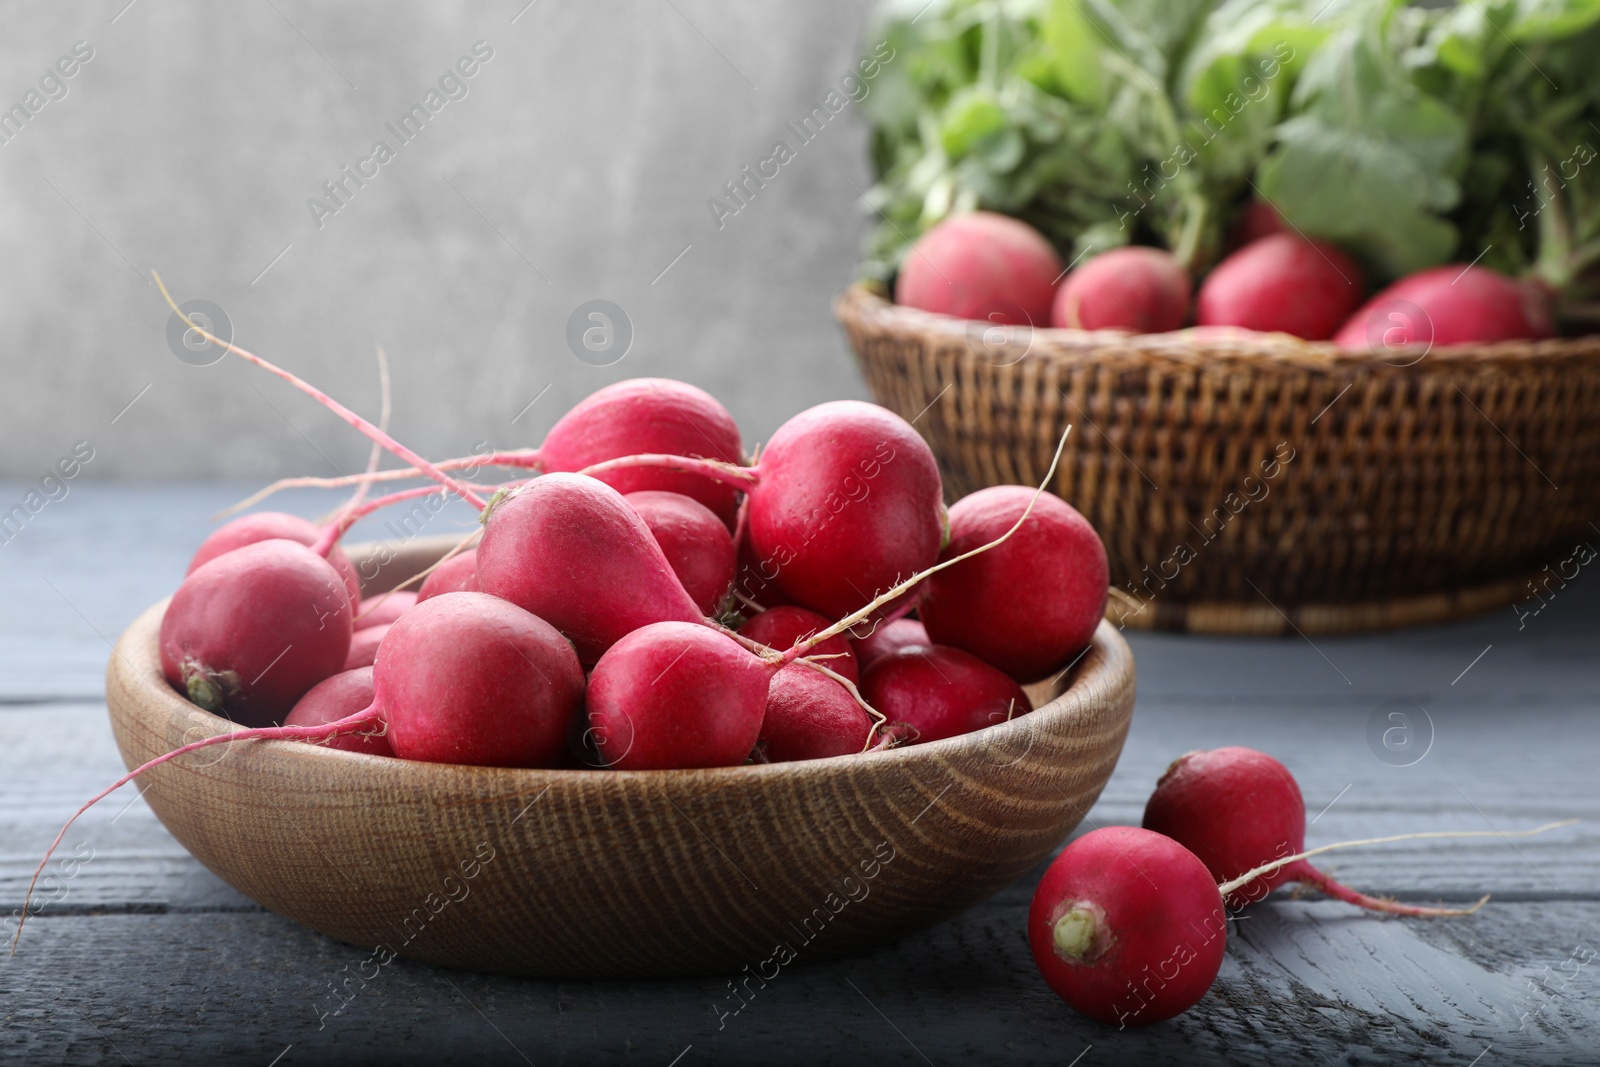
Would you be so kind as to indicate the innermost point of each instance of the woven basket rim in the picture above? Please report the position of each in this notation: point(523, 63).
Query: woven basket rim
point(862, 302)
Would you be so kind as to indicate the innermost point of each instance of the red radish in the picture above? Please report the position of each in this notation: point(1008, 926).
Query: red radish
point(696, 543)
point(1449, 305)
point(888, 638)
point(677, 694)
point(572, 551)
point(458, 574)
point(383, 608)
point(249, 632)
point(264, 526)
point(1140, 289)
point(364, 649)
point(811, 716)
point(1239, 809)
point(1258, 219)
point(942, 692)
point(756, 585)
point(844, 501)
point(1284, 284)
point(848, 503)
point(1030, 606)
point(649, 415)
point(470, 678)
point(339, 697)
point(1128, 927)
point(781, 627)
point(981, 266)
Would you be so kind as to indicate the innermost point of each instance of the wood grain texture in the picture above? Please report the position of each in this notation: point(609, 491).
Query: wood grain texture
point(600, 873)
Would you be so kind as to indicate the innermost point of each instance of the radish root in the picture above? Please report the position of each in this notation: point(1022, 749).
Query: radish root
point(522, 459)
point(1321, 881)
point(366, 428)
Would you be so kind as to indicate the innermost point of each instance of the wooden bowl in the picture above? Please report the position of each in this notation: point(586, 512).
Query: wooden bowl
point(587, 873)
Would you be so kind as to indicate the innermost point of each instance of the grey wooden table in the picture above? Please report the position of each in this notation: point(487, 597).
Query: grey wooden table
point(143, 956)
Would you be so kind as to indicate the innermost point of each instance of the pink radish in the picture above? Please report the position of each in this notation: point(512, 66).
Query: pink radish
point(1030, 606)
point(781, 627)
point(470, 678)
point(887, 638)
point(677, 694)
point(364, 648)
point(649, 415)
point(1140, 289)
point(756, 585)
point(381, 609)
point(1282, 283)
point(264, 526)
point(1128, 927)
point(844, 501)
point(696, 543)
point(339, 697)
point(1449, 306)
point(811, 716)
point(981, 266)
point(848, 503)
point(1239, 809)
point(572, 551)
point(941, 692)
point(458, 574)
point(249, 632)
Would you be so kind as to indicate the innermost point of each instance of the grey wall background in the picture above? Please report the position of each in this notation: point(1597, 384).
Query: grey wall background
point(577, 166)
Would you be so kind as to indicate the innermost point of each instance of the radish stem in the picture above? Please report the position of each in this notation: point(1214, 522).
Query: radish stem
point(366, 428)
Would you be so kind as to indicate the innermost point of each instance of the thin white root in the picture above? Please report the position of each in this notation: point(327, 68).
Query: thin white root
point(1267, 868)
point(879, 719)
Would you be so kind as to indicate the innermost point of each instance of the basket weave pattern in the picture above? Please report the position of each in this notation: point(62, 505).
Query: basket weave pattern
point(1241, 481)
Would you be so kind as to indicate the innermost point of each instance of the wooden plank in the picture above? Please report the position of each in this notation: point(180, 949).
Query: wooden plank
point(1303, 983)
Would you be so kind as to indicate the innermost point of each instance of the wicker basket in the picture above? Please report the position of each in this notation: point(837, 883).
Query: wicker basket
point(1257, 483)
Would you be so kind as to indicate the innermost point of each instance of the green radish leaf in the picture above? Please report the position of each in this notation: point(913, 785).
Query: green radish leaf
point(1371, 161)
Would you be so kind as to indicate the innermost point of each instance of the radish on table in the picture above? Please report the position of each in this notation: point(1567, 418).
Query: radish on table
point(1128, 927)
point(1238, 809)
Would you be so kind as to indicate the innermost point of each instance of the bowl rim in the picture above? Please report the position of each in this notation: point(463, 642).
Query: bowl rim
point(135, 665)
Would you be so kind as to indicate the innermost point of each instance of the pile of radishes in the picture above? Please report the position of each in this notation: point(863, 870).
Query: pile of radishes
point(651, 599)
point(991, 267)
